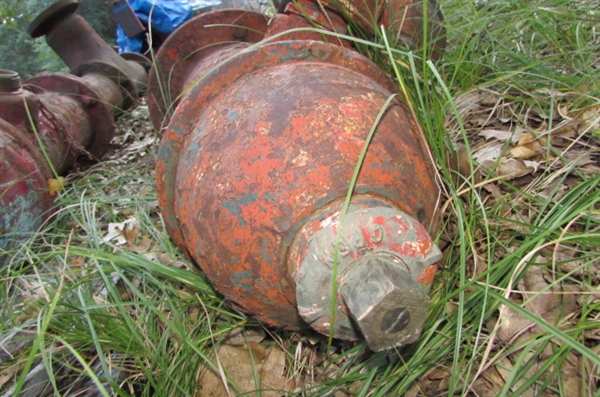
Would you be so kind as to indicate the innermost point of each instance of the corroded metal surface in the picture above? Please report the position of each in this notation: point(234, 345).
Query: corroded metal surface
point(55, 119)
point(78, 118)
point(193, 50)
point(69, 118)
point(257, 148)
point(385, 264)
point(24, 200)
point(404, 19)
point(361, 12)
point(260, 144)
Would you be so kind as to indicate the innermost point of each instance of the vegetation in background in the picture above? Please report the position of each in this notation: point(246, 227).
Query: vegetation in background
point(101, 300)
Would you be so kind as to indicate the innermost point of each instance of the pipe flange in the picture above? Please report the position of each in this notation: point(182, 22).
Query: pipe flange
point(10, 82)
point(46, 20)
point(191, 42)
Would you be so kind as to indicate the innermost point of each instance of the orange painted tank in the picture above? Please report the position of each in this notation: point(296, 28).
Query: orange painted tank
point(252, 173)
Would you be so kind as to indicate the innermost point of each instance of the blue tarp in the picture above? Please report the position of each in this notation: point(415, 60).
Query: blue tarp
point(166, 16)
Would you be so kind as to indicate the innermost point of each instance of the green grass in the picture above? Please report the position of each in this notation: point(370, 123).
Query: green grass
point(135, 319)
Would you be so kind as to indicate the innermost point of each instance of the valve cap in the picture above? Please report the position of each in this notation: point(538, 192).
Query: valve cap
point(384, 301)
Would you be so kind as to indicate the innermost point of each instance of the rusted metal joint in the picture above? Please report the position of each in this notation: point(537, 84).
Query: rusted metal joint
point(384, 260)
point(260, 143)
point(193, 50)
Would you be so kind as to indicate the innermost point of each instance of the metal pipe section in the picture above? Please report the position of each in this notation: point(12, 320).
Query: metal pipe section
point(260, 145)
point(55, 121)
point(84, 51)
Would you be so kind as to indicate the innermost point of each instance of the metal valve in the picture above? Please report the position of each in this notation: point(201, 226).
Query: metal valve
point(385, 265)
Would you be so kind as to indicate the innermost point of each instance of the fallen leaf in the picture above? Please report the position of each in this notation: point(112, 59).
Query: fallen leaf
point(523, 152)
point(489, 384)
point(251, 367)
point(529, 139)
point(122, 232)
point(571, 375)
point(505, 368)
point(534, 165)
point(539, 299)
point(491, 152)
point(433, 383)
point(591, 119)
point(9, 374)
point(508, 168)
point(502, 135)
point(242, 335)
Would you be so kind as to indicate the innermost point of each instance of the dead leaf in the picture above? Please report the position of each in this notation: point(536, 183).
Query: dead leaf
point(242, 335)
point(545, 302)
point(502, 135)
point(512, 168)
point(534, 165)
point(571, 375)
point(508, 168)
point(473, 100)
point(9, 374)
point(489, 384)
point(491, 152)
point(591, 119)
point(433, 383)
point(122, 232)
point(246, 366)
point(505, 368)
point(523, 153)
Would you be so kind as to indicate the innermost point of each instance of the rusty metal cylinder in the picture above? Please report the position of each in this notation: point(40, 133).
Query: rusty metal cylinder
point(252, 173)
point(52, 122)
point(24, 198)
point(84, 51)
point(55, 121)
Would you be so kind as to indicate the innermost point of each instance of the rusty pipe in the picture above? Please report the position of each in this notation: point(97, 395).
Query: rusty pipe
point(52, 121)
point(55, 121)
point(84, 51)
point(190, 53)
point(23, 174)
point(253, 168)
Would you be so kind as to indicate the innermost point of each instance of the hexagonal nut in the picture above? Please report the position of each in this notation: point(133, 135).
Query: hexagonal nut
point(386, 304)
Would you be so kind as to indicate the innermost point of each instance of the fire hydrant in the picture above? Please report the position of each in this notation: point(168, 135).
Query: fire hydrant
point(55, 120)
point(255, 164)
